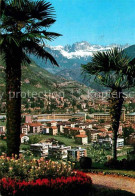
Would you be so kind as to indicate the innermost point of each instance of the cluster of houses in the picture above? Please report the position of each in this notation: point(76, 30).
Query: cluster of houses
point(83, 132)
point(51, 149)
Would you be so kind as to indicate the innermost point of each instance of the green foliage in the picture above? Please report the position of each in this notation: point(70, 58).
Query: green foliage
point(24, 24)
point(102, 121)
point(88, 117)
point(112, 69)
point(98, 153)
point(85, 162)
point(23, 169)
point(23, 30)
point(127, 131)
point(92, 110)
point(34, 139)
point(131, 107)
point(121, 164)
point(3, 148)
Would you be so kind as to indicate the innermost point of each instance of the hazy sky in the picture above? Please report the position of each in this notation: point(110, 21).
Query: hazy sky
point(96, 21)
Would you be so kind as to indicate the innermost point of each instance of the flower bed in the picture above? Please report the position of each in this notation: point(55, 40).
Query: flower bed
point(20, 177)
point(29, 170)
point(79, 185)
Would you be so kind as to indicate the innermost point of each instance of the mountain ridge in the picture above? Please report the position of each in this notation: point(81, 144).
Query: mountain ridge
point(70, 58)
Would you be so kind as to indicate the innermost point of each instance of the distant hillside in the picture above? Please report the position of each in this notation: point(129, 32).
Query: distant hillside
point(37, 79)
point(130, 51)
point(70, 58)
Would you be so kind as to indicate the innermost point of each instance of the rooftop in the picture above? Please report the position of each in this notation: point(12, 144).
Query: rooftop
point(131, 114)
point(101, 114)
point(81, 136)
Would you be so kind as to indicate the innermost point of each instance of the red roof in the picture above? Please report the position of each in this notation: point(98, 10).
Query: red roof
point(82, 136)
point(54, 127)
point(75, 128)
point(33, 124)
point(103, 130)
point(109, 131)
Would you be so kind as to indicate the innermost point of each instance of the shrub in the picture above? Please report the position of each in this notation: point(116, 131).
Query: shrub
point(79, 185)
point(3, 148)
point(33, 169)
point(122, 164)
point(33, 140)
point(85, 163)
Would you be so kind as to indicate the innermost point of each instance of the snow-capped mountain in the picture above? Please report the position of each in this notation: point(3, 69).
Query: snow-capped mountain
point(70, 58)
point(81, 49)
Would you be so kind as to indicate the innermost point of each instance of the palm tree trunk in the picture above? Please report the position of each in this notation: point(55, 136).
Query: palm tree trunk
point(116, 102)
point(13, 100)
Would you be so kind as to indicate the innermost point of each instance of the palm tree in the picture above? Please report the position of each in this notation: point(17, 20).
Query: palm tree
point(113, 69)
point(23, 30)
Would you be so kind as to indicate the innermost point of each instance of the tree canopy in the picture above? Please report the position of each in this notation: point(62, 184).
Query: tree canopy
point(112, 68)
point(25, 24)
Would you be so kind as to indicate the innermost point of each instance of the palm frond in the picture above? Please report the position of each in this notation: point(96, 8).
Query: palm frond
point(112, 68)
point(23, 24)
point(42, 10)
point(26, 60)
point(34, 48)
point(50, 35)
point(44, 23)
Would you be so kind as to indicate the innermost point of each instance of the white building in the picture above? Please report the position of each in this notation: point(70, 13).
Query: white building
point(59, 152)
point(81, 139)
point(24, 138)
point(120, 142)
point(41, 148)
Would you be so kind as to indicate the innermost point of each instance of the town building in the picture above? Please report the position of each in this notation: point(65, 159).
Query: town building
point(40, 148)
point(81, 139)
point(102, 116)
point(94, 135)
point(58, 152)
point(2, 129)
point(50, 130)
point(28, 119)
point(73, 131)
point(76, 153)
point(35, 128)
point(106, 116)
point(130, 117)
point(24, 129)
point(120, 142)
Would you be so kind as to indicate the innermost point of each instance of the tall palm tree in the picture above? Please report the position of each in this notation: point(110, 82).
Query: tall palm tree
point(23, 30)
point(113, 69)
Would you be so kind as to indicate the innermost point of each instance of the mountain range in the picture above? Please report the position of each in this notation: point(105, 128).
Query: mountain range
point(70, 58)
point(37, 80)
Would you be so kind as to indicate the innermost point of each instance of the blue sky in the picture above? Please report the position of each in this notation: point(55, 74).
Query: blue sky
point(96, 21)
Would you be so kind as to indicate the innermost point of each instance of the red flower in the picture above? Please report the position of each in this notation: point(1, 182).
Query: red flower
point(12, 186)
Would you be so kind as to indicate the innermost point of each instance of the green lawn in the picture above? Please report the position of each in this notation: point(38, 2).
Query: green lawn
point(3, 143)
point(64, 140)
point(2, 123)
